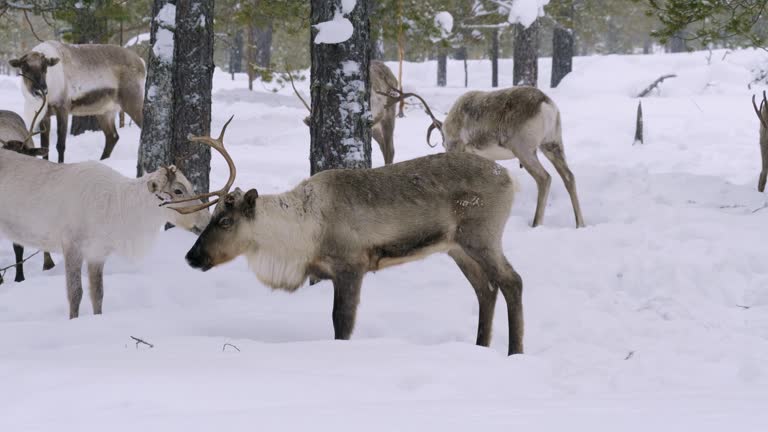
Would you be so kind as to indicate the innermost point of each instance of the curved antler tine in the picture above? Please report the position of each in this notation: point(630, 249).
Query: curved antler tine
point(218, 145)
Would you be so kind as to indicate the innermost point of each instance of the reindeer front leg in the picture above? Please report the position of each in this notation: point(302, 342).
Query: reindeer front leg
point(73, 263)
point(346, 297)
point(62, 124)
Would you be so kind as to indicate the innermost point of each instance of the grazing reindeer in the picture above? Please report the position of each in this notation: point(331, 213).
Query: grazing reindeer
point(14, 136)
point(82, 80)
point(383, 108)
point(88, 211)
point(342, 224)
point(508, 124)
point(762, 114)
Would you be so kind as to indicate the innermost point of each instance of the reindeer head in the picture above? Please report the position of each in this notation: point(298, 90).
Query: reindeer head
point(169, 183)
point(34, 68)
point(227, 236)
point(20, 147)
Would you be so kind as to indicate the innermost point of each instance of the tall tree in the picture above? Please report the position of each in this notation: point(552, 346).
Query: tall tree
point(340, 126)
point(193, 82)
point(157, 131)
point(526, 55)
point(562, 41)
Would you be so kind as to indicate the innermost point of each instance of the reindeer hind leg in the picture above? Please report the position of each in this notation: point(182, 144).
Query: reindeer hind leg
point(485, 291)
point(107, 124)
point(73, 262)
point(554, 152)
point(543, 180)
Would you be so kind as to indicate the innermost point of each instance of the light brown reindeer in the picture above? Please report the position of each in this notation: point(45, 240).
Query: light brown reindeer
point(762, 114)
point(82, 80)
point(383, 108)
point(507, 124)
point(342, 224)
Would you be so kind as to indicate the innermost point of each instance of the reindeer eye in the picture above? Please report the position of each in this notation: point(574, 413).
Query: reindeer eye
point(178, 192)
point(225, 222)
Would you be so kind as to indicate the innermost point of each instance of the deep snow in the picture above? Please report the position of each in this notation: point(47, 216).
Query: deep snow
point(637, 322)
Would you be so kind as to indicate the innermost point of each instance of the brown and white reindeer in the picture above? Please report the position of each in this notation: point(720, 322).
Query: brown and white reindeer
point(342, 224)
point(507, 124)
point(82, 80)
point(14, 136)
point(762, 114)
point(383, 108)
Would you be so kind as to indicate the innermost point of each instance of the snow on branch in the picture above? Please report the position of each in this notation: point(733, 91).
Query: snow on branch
point(524, 12)
point(339, 29)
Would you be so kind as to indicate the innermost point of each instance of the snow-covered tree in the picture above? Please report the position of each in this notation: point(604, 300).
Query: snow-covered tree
point(340, 125)
point(157, 133)
point(192, 82)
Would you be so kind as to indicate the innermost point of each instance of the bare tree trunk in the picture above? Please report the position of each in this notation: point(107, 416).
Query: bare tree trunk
point(442, 66)
point(461, 54)
point(677, 43)
point(236, 54)
point(495, 58)
point(157, 131)
point(526, 55)
point(377, 33)
point(263, 44)
point(250, 55)
point(340, 125)
point(193, 81)
point(400, 55)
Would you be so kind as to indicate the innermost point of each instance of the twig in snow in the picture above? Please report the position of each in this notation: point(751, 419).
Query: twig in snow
point(140, 341)
point(224, 347)
point(760, 208)
point(655, 84)
point(629, 356)
point(744, 307)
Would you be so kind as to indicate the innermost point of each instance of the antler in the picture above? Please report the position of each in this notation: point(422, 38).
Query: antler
point(218, 145)
point(290, 76)
point(436, 124)
point(31, 132)
point(759, 111)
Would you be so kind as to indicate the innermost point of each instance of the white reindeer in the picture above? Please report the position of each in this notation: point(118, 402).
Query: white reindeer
point(88, 212)
point(82, 80)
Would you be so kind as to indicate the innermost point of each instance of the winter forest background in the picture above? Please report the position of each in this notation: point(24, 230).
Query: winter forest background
point(652, 317)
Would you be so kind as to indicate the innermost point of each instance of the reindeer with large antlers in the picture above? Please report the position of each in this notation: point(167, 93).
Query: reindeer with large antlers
point(762, 115)
point(513, 123)
point(342, 224)
point(88, 212)
point(15, 136)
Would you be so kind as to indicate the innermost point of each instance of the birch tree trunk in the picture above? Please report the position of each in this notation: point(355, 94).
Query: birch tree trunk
point(526, 55)
point(157, 132)
point(193, 81)
point(340, 126)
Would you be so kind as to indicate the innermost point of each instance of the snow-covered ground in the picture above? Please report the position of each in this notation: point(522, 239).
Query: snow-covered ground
point(654, 317)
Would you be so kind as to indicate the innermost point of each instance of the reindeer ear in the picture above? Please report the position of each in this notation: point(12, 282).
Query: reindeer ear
point(249, 203)
point(153, 186)
point(16, 63)
point(52, 61)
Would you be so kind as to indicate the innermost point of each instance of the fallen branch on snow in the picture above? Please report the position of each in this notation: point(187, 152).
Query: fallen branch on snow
point(140, 341)
point(655, 84)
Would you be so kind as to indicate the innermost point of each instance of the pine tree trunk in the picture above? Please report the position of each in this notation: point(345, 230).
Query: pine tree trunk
point(677, 43)
point(340, 128)
point(526, 55)
point(250, 55)
point(193, 81)
point(442, 66)
point(87, 28)
point(461, 54)
point(263, 44)
point(236, 54)
point(157, 132)
point(495, 58)
point(562, 54)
